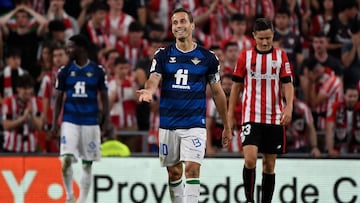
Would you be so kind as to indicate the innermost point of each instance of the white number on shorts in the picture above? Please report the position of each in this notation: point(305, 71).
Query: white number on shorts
point(196, 142)
point(246, 129)
point(164, 149)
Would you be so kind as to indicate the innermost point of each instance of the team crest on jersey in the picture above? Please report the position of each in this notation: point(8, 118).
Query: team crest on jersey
point(195, 60)
point(72, 74)
point(172, 60)
point(89, 74)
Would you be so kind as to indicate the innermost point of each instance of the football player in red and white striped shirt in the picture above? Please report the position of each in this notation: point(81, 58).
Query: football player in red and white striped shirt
point(22, 117)
point(262, 74)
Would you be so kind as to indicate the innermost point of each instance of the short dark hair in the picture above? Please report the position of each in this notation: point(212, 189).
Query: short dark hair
point(284, 10)
point(14, 52)
point(135, 26)
point(121, 60)
point(263, 24)
point(97, 6)
point(352, 86)
point(229, 44)
point(178, 10)
point(25, 81)
point(238, 17)
point(81, 41)
point(56, 25)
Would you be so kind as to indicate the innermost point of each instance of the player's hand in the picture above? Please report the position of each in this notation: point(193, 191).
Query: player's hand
point(226, 137)
point(286, 115)
point(144, 95)
point(55, 130)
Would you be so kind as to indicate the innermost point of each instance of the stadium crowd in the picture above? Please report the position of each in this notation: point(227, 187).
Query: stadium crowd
point(321, 38)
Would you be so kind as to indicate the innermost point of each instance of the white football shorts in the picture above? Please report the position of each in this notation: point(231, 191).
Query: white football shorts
point(81, 141)
point(181, 145)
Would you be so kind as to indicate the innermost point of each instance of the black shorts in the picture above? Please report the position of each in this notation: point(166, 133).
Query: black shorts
point(270, 139)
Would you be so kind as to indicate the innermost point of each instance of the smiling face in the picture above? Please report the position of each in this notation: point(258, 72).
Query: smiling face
point(181, 26)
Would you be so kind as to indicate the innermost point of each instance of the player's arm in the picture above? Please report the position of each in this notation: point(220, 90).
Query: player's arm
point(289, 97)
point(59, 95)
point(12, 124)
point(105, 109)
point(151, 85)
point(236, 88)
point(221, 106)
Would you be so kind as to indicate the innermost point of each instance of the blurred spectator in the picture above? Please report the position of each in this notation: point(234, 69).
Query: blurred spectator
point(26, 34)
point(320, 54)
point(289, 41)
point(22, 117)
point(47, 94)
point(117, 22)
point(155, 31)
point(321, 21)
point(123, 99)
point(231, 53)
point(301, 134)
point(343, 124)
point(56, 32)
point(211, 19)
point(137, 9)
point(56, 11)
point(109, 62)
point(339, 32)
point(160, 12)
point(325, 89)
point(214, 125)
point(237, 27)
point(43, 65)
point(254, 9)
point(94, 30)
point(141, 74)
point(133, 46)
point(11, 73)
point(350, 56)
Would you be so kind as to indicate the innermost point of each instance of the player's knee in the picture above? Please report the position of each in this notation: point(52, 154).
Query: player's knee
point(66, 162)
point(192, 170)
point(250, 163)
point(175, 172)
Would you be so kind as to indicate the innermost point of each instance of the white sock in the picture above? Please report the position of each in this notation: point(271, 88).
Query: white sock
point(192, 190)
point(67, 175)
point(85, 183)
point(176, 191)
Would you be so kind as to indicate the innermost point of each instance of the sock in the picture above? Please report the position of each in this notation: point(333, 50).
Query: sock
point(192, 190)
point(67, 175)
point(249, 183)
point(268, 185)
point(176, 191)
point(85, 182)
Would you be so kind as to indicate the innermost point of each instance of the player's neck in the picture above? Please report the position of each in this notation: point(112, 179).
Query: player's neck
point(186, 45)
point(81, 61)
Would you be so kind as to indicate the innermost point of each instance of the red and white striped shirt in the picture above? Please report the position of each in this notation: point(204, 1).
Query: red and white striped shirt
point(16, 140)
point(47, 89)
point(123, 112)
point(330, 86)
point(262, 98)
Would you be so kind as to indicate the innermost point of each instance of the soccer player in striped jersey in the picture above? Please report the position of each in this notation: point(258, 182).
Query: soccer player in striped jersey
point(184, 69)
point(261, 74)
point(80, 82)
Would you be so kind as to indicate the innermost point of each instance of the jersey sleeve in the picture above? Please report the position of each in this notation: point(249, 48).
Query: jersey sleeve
point(214, 69)
point(156, 64)
point(286, 74)
point(60, 79)
point(103, 83)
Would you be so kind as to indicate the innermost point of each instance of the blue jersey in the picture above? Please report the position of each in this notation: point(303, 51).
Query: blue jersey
point(81, 86)
point(184, 78)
